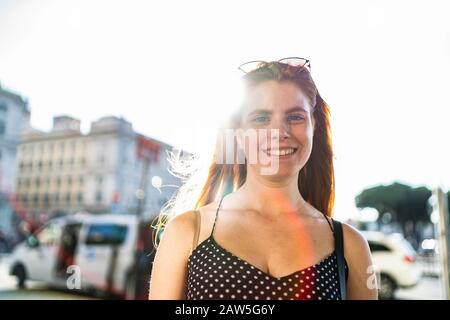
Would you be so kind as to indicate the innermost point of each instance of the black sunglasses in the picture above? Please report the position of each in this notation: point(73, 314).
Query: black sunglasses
point(292, 61)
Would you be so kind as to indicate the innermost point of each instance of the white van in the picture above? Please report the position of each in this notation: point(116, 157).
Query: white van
point(99, 249)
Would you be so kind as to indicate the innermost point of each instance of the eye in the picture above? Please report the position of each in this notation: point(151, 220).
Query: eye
point(261, 119)
point(295, 118)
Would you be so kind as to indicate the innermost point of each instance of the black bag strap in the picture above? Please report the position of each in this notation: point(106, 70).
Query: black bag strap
point(339, 247)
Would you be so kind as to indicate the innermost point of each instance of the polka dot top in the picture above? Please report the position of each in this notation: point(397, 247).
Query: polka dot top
point(216, 273)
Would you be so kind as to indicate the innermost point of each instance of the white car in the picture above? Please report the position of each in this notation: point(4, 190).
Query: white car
point(99, 249)
point(394, 261)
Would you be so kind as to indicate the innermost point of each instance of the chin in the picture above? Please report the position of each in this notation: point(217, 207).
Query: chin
point(283, 173)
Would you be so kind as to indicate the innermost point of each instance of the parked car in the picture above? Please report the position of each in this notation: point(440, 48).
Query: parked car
point(394, 261)
point(102, 249)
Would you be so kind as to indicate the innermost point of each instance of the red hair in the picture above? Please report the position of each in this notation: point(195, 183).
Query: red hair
point(316, 178)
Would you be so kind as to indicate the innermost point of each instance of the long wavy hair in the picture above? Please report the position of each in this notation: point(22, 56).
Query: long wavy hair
point(316, 181)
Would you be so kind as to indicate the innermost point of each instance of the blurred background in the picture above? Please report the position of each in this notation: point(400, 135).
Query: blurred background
point(94, 94)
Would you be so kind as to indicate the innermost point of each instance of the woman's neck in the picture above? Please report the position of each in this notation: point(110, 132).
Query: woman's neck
point(272, 198)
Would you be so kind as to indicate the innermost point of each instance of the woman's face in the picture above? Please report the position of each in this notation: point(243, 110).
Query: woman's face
point(282, 116)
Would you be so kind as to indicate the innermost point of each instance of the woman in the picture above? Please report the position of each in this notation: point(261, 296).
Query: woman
point(262, 229)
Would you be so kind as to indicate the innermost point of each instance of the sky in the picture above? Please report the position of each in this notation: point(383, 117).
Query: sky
point(170, 68)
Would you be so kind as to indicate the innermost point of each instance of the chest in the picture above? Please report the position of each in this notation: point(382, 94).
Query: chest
point(276, 248)
point(214, 273)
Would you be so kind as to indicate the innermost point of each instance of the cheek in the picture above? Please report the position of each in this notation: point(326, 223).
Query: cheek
point(304, 137)
point(254, 138)
point(303, 134)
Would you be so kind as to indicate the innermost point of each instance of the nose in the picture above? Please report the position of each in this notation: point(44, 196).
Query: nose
point(282, 128)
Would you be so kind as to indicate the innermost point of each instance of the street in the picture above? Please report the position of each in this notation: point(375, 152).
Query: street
point(33, 291)
point(428, 288)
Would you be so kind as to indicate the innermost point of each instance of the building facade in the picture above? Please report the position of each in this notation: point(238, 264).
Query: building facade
point(64, 171)
point(14, 117)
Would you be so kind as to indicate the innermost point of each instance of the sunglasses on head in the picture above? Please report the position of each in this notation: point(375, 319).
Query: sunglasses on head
point(292, 61)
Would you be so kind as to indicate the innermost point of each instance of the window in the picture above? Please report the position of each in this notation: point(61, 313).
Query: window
point(49, 235)
point(106, 234)
point(98, 196)
point(376, 247)
point(2, 127)
point(46, 200)
point(3, 107)
point(35, 199)
point(80, 198)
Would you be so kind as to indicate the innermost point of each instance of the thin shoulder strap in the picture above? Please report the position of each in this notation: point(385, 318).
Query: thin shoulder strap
point(329, 223)
point(217, 213)
point(339, 247)
point(197, 228)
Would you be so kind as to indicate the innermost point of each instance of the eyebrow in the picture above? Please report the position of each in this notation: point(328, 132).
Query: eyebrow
point(296, 109)
point(265, 111)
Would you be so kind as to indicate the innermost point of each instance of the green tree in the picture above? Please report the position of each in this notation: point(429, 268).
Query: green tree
point(408, 206)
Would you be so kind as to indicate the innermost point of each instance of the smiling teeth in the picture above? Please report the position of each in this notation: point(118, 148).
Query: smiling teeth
point(282, 152)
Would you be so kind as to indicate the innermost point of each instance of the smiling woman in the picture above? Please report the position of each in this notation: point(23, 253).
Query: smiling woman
point(274, 237)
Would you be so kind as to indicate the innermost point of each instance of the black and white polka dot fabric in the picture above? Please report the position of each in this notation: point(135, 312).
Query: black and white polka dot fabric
point(216, 273)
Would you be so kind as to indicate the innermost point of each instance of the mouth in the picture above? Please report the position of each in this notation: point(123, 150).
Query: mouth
point(281, 153)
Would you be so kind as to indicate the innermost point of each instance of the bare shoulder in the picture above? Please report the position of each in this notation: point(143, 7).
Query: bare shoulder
point(356, 247)
point(169, 266)
point(207, 214)
point(181, 223)
point(209, 209)
point(186, 220)
point(181, 228)
point(362, 279)
point(353, 238)
point(179, 231)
